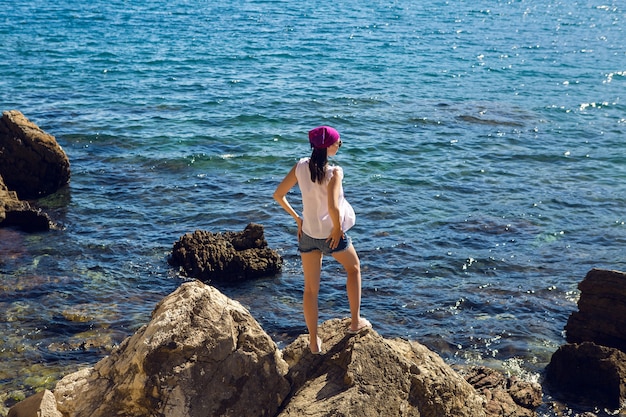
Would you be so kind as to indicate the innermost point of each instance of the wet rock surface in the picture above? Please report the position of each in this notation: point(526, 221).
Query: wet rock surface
point(591, 368)
point(225, 257)
point(19, 214)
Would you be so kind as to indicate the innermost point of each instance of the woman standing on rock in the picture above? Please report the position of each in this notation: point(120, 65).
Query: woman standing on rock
point(326, 216)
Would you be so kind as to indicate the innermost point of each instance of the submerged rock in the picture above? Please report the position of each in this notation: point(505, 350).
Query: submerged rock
point(226, 257)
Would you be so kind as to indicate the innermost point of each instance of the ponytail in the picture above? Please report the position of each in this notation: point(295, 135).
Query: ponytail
point(317, 165)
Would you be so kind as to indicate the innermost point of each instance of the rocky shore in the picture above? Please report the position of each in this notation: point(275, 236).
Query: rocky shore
point(203, 354)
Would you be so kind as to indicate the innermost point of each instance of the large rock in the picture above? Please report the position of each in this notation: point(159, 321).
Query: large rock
point(202, 354)
point(366, 375)
point(592, 366)
point(19, 214)
point(226, 257)
point(601, 315)
point(589, 373)
point(31, 161)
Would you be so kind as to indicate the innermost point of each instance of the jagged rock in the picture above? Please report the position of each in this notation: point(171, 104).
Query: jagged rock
point(592, 366)
point(589, 372)
point(17, 213)
point(230, 256)
point(42, 404)
point(506, 396)
point(366, 375)
point(31, 161)
point(601, 315)
point(9, 201)
point(202, 354)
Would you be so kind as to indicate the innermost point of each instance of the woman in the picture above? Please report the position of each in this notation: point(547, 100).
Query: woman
point(326, 216)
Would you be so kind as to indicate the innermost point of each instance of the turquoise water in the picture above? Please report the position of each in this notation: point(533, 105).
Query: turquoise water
point(483, 153)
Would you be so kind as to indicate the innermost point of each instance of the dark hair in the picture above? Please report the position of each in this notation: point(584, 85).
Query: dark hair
point(317, 165)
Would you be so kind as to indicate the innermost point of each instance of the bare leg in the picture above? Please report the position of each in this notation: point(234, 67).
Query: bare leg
point(312, 269)
point(350, 262)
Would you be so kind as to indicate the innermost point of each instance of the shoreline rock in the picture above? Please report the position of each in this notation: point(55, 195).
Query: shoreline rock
point(17, 213)
point(32, 165)
point(31, 161)
point(203, 354)
point(591, 368)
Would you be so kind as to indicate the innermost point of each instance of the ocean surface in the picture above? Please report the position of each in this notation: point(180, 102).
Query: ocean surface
point(483, 150)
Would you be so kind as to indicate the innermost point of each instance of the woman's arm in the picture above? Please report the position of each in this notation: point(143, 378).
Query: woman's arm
point(280, 195)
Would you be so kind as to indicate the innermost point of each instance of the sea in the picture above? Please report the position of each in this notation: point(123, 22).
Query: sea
point(483, 152)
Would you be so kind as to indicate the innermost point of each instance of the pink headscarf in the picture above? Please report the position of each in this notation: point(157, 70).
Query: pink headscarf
point(323, 137)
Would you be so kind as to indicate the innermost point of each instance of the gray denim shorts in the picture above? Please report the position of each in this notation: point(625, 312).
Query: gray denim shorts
point(309, 244)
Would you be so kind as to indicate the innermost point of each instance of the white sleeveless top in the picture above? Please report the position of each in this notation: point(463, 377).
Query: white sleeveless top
point(316, 219)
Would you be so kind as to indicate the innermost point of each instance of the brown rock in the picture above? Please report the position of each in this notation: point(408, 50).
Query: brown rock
point(17, 213)
point(230, 256)
point(366, 375)
point(41, 404)
point(202, 354)
point(602, 310)
point(592, 366)
point(31, 161)
point(506, 396)
point(589, 372)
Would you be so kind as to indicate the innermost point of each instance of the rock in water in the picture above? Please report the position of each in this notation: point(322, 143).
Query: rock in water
point(31, 161)
point(592, 366)
point(17, 213)
point(589, 373)
point(42, 404)
point(226, 257)
point(601, 315)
